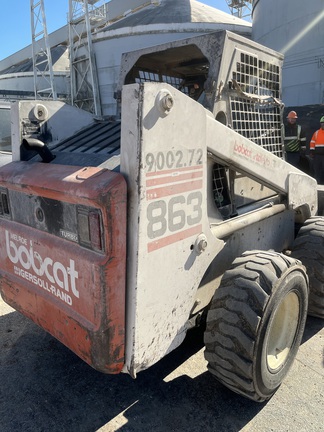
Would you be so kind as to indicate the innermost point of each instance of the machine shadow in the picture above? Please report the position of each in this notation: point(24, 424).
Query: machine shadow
point(45, 387)
point(313, 326)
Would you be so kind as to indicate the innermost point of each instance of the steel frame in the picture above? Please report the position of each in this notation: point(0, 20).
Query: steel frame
point(42, 59)
point(84, 16)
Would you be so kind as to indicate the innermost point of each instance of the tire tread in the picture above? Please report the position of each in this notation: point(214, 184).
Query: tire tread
point(235, 314)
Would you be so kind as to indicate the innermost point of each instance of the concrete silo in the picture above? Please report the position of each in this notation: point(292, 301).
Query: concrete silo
point(296, 29)
point(158, 22)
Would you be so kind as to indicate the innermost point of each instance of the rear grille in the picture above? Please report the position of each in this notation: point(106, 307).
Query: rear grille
point(97, 139)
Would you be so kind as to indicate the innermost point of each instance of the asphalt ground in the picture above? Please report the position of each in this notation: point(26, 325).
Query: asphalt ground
point(45, 387)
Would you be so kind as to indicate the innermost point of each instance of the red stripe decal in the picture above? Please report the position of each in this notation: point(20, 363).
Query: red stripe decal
point(173, 179)
point(166, 241)
point(171, 171)
point(173, 189)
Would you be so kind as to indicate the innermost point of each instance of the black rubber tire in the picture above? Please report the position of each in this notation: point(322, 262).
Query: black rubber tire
point(242, 323)
point(309, 249)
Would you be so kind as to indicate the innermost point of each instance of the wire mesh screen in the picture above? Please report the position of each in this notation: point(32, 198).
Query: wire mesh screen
point(176, 82)
point(220, 186)
point(257, 114)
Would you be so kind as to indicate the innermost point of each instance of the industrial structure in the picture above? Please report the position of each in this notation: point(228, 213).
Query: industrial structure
point(86, 53)
point(84, 19)
point(42, 57)
point(295, 28)
point(83, 57)
point(240, 8)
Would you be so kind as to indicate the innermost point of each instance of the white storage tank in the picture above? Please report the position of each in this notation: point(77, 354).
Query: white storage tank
point(296, 29)
point(162, 21)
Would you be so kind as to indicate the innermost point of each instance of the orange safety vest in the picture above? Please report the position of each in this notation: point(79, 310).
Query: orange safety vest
point(317, 141)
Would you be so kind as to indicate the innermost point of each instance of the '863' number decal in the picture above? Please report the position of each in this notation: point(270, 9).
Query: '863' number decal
point(174, 215)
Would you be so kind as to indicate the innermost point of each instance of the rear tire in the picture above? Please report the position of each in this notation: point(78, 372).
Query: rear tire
point(309, 249)
point(255, 323)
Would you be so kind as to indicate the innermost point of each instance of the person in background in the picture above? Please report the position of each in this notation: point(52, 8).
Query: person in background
point(294, 140)
point(316, 148)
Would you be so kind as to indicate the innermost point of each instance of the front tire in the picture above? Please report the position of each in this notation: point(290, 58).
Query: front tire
point(255, 323)
point(309, 249)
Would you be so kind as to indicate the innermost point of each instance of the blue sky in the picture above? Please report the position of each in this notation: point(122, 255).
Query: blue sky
point(15, 29)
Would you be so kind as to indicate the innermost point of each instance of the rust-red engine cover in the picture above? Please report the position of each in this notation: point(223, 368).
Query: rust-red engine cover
point(63, 255)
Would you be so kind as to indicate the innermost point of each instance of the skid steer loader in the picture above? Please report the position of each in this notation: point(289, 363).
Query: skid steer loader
point(119, 235)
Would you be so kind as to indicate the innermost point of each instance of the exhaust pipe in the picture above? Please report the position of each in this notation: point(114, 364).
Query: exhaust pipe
point(40, 148)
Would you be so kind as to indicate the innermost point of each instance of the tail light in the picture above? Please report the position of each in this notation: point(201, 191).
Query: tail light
point(4, 203)
point(90, 228)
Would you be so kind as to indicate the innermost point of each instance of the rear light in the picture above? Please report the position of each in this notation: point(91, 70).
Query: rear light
point(90, 230)
point(4, 203)
point(95, 230)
